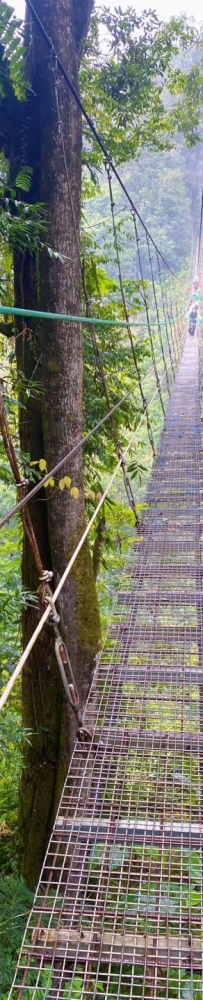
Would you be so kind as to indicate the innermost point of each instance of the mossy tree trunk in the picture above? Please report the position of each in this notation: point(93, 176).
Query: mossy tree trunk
point(52, 423)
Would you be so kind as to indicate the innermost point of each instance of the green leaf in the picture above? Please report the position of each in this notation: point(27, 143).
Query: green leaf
point(24, 178)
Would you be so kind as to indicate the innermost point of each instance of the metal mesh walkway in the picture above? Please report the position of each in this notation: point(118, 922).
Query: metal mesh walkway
point(118, 910)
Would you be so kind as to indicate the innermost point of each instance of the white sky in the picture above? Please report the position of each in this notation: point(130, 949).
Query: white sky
point(164, 8)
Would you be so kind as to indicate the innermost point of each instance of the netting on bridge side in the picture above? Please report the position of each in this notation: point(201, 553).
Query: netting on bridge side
point(118, 910)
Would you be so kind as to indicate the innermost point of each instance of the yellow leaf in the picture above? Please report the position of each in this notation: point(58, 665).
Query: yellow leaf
point(34, 463)
point(74, 492)
point(50, 482)
point(62, 484)
point(67, 481)
point(42, 465)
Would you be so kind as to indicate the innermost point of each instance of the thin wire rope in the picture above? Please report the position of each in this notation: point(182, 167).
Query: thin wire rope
point(106, 218)
point(165, 317)
point(22, 503)
point(128, 371)
point(126, 314)
point(200, 234)
point(69, 566)
point(157, 313)
point(172, 320)
point(91, 124)
point(96, 349)
point(147, 315)
point(178, 320)
point(176, 317)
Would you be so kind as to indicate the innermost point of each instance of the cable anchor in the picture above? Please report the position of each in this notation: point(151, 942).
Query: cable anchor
point(54, 618)
point(47, 576)
point(70, 688)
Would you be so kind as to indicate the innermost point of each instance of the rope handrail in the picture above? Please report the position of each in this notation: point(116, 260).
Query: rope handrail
point(41, 314)
point(80, 444)
point(70, 564)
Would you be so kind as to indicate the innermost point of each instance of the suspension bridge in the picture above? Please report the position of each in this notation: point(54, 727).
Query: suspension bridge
point(118, 911)
point(118, 908)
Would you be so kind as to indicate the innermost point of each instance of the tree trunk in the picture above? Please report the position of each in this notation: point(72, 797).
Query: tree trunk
point(51, 425)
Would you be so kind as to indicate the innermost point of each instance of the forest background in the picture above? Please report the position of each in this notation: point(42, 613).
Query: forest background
point(160, 153)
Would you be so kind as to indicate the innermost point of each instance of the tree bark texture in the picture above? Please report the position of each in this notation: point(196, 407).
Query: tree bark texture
point(52, 424)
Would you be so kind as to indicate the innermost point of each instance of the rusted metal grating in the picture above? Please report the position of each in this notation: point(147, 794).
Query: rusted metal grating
point(118, 911)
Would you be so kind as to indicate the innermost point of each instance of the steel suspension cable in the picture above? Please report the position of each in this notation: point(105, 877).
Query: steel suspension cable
point(126, 314)
point(90, 123)
point(178, 318)
point(172, 320)
point(69, 566)
point(118, 448)
point(96, 350)
point(164, 308)
point(157, 313)
point(177, 315)
point(200, 235)
point(147, 314)
point(52, 472)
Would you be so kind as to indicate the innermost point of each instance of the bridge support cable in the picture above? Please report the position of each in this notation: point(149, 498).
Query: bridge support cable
point(80, 444)
point(97, 353)
point(157, 314)
point(197, 268)
point(164, 308)
point(126, 314)
point(118, 909)
point(96, 349)
point(56, 58)
point(94, 339)
point(178, 313)
point(173, 319)
point(147, 314)
point(70, 564)
point(172, 323)
point(177, 296)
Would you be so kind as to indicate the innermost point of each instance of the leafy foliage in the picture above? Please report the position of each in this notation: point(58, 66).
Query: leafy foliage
point(125, 85)
point(11, 40)
point(132, 75)
point(172, 216)
point(15, 902)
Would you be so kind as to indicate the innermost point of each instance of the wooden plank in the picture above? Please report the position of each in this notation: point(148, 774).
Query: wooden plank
point(153, 674)
point(93, 945)
point(161, 598)
point(81, 828)
point(149, 738)
point(160, 633)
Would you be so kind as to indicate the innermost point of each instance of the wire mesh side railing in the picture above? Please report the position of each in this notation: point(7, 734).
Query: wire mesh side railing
point(118, 910)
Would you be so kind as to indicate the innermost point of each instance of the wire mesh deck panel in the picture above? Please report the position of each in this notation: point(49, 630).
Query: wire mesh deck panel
point(118, 911)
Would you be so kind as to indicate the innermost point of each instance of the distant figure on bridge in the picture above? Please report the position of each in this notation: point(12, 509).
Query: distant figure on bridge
point(193, 318)
point(195, 284)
